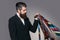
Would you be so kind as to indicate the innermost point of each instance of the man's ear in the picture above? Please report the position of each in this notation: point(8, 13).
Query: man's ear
point(18, 11)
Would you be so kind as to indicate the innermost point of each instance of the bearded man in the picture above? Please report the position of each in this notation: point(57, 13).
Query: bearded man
point(20, 25)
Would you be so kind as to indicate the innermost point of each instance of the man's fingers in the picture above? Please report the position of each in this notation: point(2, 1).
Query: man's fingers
point(36, 15)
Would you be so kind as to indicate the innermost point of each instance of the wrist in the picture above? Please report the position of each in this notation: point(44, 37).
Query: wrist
point(36, 18)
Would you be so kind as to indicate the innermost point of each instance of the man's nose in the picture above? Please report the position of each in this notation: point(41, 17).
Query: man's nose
point(25, 11)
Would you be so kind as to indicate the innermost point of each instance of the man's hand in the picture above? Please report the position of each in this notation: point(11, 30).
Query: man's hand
point(37, 16)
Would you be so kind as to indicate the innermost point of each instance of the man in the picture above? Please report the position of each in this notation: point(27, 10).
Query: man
point(19, 24)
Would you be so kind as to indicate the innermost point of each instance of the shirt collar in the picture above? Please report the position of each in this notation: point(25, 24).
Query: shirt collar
point(19, 16)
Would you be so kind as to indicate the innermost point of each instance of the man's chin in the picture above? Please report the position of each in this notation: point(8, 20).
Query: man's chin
point(24, 17)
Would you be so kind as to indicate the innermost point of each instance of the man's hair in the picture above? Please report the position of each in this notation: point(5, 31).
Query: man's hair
point(19, 5)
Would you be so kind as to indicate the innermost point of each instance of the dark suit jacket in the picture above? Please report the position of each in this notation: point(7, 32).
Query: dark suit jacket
point(18, 31)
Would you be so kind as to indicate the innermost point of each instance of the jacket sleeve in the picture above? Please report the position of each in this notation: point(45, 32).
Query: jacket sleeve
point(12, 29)
point(34, 26)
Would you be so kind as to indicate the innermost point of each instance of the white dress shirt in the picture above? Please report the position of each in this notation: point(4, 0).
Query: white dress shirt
point(21, 18)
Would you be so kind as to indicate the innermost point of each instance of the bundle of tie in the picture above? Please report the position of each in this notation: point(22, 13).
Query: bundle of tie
point(47, 31)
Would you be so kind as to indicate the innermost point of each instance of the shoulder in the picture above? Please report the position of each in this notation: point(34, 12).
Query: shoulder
point(12, 18)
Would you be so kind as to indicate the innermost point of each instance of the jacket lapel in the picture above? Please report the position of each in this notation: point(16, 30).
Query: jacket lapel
point(19, 20)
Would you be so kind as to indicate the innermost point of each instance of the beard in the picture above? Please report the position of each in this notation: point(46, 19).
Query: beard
point(24, 16)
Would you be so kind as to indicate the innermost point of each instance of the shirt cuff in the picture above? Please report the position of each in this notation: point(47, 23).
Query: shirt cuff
point(36, 18)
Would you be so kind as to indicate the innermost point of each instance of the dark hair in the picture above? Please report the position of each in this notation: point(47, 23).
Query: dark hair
point(19, 5)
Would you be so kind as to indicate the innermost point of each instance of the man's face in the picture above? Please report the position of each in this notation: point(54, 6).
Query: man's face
point(23, 12)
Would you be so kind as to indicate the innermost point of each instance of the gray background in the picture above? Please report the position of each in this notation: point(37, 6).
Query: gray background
point(50, 9)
